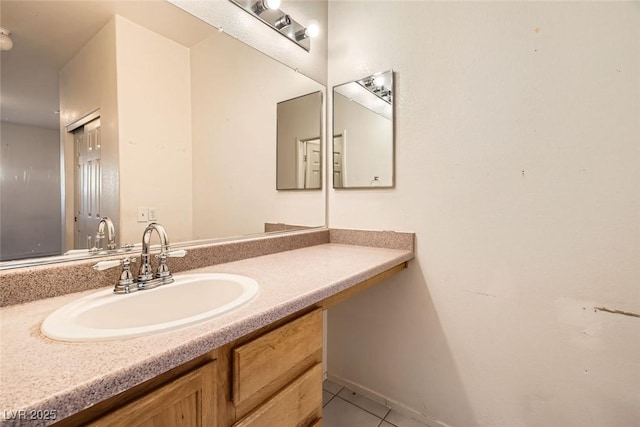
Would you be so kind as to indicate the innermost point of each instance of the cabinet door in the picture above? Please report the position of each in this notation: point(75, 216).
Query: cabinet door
point(298, 404)
point(188, 401)
point(276, 358)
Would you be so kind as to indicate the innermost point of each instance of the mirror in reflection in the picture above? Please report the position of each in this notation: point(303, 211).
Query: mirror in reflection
point(108, 111)
point(299, 141)
point(363, 143)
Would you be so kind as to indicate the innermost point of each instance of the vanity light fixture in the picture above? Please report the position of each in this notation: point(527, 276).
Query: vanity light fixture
point(5, 41)
point(375, 85)
point(268, 11)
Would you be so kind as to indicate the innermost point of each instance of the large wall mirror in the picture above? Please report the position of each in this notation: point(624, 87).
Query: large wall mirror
point(138, 111)
point(300, 143)
point(363, 143)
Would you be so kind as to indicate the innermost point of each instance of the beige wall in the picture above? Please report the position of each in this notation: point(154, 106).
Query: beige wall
point(517, 167)
point(87, 83)
point(154, 99)
point(235, 90)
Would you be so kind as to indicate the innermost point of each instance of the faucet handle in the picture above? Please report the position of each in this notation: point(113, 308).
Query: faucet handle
point(178, 253)
point(105, 265)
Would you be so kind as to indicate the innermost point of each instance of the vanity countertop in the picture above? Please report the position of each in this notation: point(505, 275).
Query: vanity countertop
point(37, 373)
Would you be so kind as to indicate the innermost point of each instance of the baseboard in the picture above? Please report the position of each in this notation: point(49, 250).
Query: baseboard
point(389, 403)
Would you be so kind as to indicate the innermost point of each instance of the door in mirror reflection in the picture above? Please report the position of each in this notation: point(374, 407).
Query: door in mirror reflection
point(299, 147)
point(363, 144)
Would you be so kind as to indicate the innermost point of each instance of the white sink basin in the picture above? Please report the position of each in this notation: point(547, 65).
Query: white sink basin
point(190, 299)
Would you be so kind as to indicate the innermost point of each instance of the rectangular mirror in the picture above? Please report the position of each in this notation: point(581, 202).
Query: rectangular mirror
point(363, 132)
point(299, 162)
point(138, 111)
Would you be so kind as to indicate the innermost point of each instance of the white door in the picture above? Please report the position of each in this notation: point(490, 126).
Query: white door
point(88, 179)
point(313, 155)
point(308, 164)
point(337, 161)
point(340, 160)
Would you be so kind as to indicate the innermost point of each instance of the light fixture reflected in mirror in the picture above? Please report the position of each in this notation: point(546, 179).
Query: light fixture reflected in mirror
point(5, 41)
point(268, 11)
point(263, 5)
point(312, 31)
point(283, 22)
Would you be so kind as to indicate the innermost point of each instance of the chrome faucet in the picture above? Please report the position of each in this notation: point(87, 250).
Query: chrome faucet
point(146, 279)
point(105, 222)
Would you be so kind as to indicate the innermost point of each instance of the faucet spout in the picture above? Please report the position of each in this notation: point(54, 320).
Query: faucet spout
point(146, 237)
point(105, 222)
point(146, 278)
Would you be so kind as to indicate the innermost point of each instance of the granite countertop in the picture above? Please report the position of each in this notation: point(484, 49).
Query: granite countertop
point(37, 373)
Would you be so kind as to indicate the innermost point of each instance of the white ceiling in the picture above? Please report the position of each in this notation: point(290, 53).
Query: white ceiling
point(47, 34)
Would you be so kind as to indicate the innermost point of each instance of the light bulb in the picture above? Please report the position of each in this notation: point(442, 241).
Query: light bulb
point(313, 30)
point(5, 41)
point(272, 4)
point(263, 5)
point(378, 81)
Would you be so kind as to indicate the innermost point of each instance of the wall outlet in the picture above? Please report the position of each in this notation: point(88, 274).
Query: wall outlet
point(153, 214)
point(143, 214)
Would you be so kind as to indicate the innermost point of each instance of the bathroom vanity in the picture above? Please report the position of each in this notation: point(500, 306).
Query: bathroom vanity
point(270, 377)
point(244, 368)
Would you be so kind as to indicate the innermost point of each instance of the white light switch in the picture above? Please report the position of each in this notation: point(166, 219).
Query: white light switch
point(153, 214)
point(143, 214)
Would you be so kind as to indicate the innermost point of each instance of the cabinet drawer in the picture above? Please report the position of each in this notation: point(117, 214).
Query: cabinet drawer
point(276, 358)
point(298, 404)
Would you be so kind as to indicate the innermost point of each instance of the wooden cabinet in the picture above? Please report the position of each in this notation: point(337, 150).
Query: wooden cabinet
point(277, 377)
point(272, 377)
point(298, 404)
point(188, 401)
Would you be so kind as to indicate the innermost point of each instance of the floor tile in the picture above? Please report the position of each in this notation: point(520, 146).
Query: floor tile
point(365, 403)
point(340, 413)
point(331, 387)
point(400, 420)
point(386, 424)
point(326, 397)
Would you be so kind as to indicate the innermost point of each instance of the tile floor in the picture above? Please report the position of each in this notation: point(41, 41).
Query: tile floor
point(344, 408)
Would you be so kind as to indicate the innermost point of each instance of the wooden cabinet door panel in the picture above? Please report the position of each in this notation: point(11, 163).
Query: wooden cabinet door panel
point(188, 401)
point(299, 404)
point(272, 356)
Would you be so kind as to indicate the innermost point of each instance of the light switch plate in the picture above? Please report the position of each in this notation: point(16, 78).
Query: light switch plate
point(143, 214)
point(153, 214)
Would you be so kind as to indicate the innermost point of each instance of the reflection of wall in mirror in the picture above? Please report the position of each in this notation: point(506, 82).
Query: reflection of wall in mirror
point(235, 91)
point(140, 82)
point(298, 120)
point(30, 188)
point(88, 82)
point(154, 121)
point(368, 150)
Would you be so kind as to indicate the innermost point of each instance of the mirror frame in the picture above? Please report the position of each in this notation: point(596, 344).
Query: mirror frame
point(393, 133)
